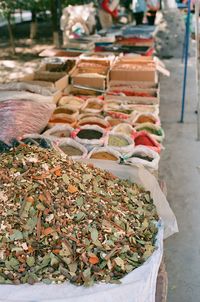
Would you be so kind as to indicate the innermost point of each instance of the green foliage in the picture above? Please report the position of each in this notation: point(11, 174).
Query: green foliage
point(74, 2)
point(7, 7)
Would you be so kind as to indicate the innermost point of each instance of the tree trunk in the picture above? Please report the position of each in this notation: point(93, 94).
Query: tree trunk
point(33, 29)
point(54, 18)
point(12, 43)
point(21, 15)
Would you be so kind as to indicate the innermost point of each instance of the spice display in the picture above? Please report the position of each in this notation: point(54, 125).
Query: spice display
point(129, 93)
point(63, 220)
point(146, 119)
point(70, 150)
point(144, 140)
point(123, 128)
point(60, 67)
point(63, 110)
point(93, 121)
point(56, 119)
point(89, 134)
point(117, 141)
point(93, 105)
point(104, 156)
point(113, 121)
point(154, 131)
point(71, 101)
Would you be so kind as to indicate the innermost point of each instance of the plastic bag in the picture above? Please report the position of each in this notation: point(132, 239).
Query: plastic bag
point(108, 150)
point(137, 286)
point(123, 128)
point(72, 101)
point(65, 112)
point(21, 116)
point(58, 132)
point(24, 86)
point(24, 95)
point(97, 106)
point(143, 138)
point(90, 143)
point(70, 142)
point(93, 120)
point(143, 152)
point(142, 118)
point(155, 131)
point(123, 149)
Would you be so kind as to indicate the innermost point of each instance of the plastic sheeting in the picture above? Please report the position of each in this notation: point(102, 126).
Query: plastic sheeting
point(24, 86)
point(23, 113)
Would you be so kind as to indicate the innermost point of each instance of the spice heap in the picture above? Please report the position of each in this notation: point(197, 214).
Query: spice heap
point(63, 220)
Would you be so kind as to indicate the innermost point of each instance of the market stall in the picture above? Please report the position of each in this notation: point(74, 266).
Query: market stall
point(77, 232)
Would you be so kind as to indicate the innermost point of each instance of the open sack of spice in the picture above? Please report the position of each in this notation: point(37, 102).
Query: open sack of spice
point(155, 131)
point(104, 153)
point(71, 148)
point(90, 136)
point(71, 222)
point(143, 155)
point(23, 113)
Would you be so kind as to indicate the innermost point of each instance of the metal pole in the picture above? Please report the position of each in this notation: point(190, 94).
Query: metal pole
point(187, 41)
point(197, 66)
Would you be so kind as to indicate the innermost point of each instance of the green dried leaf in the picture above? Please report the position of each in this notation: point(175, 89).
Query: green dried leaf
point(25, 209)
point(2, 280)
point(79, 201)
point(82, 187)
point(31, 224)
point(120, 262)
point(87, 178)
point(66, 178)
point(17, 235)
point(46, 260)
point(129, 268)
point(86, 274)
point(47, 281)
point(73, 267)
point(94, 234)
point(79, 216)
point(13, 263)
point(142, 242)
point(30, 261)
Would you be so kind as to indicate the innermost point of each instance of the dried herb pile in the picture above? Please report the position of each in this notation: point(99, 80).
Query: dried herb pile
point(62, 220)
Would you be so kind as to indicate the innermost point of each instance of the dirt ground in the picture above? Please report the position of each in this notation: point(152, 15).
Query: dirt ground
point(26, 59)
point(178, 167)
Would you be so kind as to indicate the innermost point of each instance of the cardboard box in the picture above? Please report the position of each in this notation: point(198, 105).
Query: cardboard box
point(98, 56)
point(99, 83)
point(94, 82)
point(133, 75)
point(46, 79)
point(136, 100)
point(143, 69)
point(60, 53)
point(133, 84)
point(138, 91)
